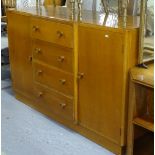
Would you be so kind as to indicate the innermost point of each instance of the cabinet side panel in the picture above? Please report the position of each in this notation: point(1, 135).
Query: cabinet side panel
point(20, 52)
point(130, 60)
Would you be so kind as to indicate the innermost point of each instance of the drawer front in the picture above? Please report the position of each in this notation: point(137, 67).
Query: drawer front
point(53, 55)
point(52, 102)
point(53, 78)
point(54, 32)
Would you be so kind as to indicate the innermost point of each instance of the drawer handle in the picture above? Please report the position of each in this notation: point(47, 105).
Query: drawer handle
point(40, 94)
point(37, 50)
point(60, 34)
point(62, 81)
point(63, 105)
point(39, 72)
point(35, 28)
point(60, 58)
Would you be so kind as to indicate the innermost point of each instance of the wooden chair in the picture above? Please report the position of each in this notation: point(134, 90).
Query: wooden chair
point(54, 2)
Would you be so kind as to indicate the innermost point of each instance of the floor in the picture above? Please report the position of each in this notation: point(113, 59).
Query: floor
point(28, 132)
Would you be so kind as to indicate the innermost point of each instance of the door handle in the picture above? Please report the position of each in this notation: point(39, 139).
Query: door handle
point(30, 58)
point(80, 76)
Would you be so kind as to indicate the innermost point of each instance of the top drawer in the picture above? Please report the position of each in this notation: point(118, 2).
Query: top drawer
point(55, 32)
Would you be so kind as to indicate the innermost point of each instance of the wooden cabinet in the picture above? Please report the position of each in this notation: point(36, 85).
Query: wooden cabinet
point(20, 53)
point(140, 137)
point(100, 89)
point(76, 72)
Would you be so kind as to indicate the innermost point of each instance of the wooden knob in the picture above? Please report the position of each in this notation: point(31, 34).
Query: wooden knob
point(60, 34)
point(39, 72)
point(35, 28)
point(30, 58)
point(40, 94)
point(80, 75)
point(37, 50)
point(63, 105)
point(62, 81)
point(60, 58)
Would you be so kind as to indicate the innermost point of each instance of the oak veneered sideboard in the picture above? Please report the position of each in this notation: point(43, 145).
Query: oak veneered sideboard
point(74, 70)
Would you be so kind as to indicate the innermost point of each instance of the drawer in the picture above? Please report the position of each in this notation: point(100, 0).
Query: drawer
point(53, 55)
point(54, 32)
point(54, 103)
point(53, 78)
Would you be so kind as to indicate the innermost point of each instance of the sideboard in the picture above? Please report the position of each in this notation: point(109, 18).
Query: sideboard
point(75, 70)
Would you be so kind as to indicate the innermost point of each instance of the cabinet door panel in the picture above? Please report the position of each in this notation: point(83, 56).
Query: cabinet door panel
point(100, 89)
point(20, 52)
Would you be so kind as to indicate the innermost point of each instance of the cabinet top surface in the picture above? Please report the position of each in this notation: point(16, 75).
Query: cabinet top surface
point(143, 76)
point(87, 17)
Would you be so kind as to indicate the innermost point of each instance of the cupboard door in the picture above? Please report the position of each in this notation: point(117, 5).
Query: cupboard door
point(100, 87)
point(20, 53)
